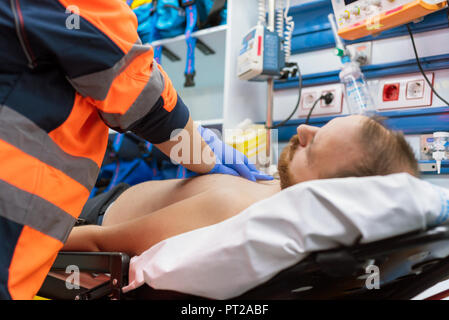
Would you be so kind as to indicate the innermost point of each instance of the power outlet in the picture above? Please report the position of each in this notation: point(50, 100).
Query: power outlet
point(426, 146)
point(415, 90)
point(310, 95)
point(391, 92)
point(408, 91)
point(308, 99)
point(330, 104)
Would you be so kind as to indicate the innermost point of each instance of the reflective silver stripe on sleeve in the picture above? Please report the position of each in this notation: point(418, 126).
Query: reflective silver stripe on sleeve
point(27, 209)
point(143, 104)
point(25, 135)
point(96, 85)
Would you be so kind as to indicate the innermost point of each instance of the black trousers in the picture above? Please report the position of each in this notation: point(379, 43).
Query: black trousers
point(95, 207)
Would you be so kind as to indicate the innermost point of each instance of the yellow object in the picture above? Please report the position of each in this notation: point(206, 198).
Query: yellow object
point(138, 3)
point(39, 298)
point(251, 141)
point(389, 19)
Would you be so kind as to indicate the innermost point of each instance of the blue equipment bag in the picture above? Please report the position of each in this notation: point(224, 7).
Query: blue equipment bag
point(211, 12)
point(199, 14)
point(175, 17)
point(146, 19)
point(191, 26)
point(128, 159)
point(169, 18)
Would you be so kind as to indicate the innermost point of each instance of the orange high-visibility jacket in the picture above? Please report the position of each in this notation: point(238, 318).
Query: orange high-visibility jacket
point(69, 69)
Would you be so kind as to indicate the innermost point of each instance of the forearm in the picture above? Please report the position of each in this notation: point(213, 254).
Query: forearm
point(189, 149)
point(138, 235)
point(116, 238)
point(83, 238)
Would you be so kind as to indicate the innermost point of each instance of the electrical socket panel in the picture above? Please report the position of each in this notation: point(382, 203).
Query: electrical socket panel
point(426, 144)
point(408, 91)
point(310, 95)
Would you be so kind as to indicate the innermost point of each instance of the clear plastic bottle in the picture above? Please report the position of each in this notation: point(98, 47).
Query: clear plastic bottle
point(357, 95)
point(440, 148)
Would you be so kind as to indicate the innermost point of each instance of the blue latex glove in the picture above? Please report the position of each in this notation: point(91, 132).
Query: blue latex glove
point(229, 160)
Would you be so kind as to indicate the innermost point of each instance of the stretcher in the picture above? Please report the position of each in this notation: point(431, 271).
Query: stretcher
point(408, 265)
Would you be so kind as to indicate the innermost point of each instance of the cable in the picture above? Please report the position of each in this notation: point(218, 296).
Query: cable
point(288, 33)
point(297, 103)
point(262, 12)
point(280, 19)
point(328, 98)
point(421, 68)
point(311, 109)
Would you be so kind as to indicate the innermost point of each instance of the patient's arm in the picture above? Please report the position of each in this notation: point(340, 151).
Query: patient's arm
point(135, 236)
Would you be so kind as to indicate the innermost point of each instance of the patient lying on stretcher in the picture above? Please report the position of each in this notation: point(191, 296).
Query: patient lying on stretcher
point(150, 212)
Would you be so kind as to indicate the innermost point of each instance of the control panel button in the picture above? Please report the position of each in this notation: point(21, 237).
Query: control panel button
point(345, 15)
point(355, 11)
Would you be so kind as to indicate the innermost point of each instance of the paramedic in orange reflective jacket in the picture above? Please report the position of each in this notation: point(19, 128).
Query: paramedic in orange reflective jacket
point(61, 89)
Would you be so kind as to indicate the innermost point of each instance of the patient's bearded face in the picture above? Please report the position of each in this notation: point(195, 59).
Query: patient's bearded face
point(317, 153)
point(284, 161)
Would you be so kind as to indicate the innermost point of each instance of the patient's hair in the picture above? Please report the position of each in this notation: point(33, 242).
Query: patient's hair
point(384, 152)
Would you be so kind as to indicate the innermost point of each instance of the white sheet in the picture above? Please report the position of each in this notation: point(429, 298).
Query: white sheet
point(227, 259)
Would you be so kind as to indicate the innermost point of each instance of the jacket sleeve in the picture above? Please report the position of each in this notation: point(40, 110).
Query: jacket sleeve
point(95, 43)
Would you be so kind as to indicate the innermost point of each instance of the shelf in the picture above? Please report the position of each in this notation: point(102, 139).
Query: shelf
point(196, 34)
point(205, 99)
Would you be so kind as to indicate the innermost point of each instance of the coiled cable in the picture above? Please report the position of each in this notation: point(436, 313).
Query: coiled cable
point(262, 12)
point(280, 18)
point(288, 34)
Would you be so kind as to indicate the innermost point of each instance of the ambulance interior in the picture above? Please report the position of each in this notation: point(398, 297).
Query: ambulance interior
point(271, 67)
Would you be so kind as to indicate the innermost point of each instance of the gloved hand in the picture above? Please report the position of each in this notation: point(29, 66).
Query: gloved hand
point(229, 160)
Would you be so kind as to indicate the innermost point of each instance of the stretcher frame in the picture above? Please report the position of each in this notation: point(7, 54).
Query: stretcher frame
point(114, 264)
point(409, 264)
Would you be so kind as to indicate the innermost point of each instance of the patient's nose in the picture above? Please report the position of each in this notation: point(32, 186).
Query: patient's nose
point(306, 134)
